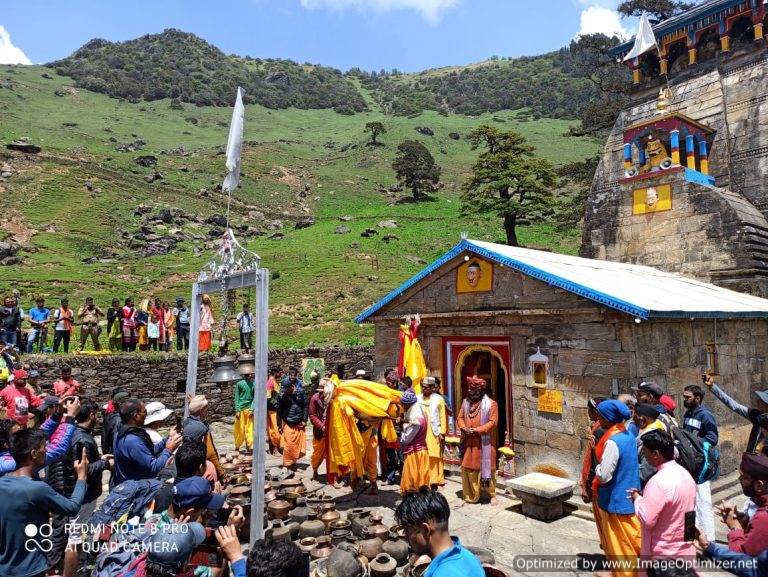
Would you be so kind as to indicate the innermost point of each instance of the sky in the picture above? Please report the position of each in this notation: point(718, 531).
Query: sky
point(408, 35)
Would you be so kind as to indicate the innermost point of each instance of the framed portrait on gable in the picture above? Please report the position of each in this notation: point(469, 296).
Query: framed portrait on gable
point(474, 276)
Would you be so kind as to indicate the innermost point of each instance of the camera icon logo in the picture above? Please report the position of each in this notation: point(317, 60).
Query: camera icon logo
point(38, 538)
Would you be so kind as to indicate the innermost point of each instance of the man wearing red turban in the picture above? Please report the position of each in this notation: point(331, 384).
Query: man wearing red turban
point(478, 417)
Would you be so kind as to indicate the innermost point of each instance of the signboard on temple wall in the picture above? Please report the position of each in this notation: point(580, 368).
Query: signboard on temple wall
point(652, 199)
point(309, 365)
point(550, 401)
point(474, 276)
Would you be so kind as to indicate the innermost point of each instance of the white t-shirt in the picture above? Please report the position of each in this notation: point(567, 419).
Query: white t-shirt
point(153, 330)
point(61, 325)
point(244, 320)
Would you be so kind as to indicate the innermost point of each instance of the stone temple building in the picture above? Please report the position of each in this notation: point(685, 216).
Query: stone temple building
point(673, 268)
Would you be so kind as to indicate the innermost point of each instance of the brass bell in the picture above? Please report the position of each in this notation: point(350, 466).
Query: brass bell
point(246, 364)
point(224, 370)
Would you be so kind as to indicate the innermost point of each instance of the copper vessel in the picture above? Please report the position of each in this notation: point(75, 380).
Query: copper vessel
point(378, 529)
point(370, 546)
point(278, 509)
point(322, 549)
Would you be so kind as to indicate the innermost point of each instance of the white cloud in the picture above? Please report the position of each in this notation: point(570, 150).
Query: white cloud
point(430, 9)
point(600, 17)
point(10, 54)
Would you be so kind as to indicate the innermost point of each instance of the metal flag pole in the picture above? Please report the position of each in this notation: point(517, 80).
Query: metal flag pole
point(260, 377)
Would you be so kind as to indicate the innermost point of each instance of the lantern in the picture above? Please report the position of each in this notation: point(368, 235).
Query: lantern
point(538, 369)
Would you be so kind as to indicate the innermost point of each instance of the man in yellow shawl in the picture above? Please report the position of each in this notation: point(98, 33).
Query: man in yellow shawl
point(437, 427)
point(414, 444)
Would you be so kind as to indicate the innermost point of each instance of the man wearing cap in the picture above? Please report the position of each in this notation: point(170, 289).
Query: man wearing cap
point(616, 473)
point(136, 457)
point(759, 432)
point(414, 444)
point(157, 413)
point(195, 427)
point(360, 374)
point(243, 430)
point(181, 312)
point(752, 539)
point(478, 417)
point(293, 409)
point(437, 427)
point(193, 499)
point(17, 399)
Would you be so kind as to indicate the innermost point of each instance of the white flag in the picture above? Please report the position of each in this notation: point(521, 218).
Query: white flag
point(644, 41)
point(235, 144)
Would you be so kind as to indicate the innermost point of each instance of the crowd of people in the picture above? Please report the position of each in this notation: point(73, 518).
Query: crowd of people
point(153, 325)
point(648, 481)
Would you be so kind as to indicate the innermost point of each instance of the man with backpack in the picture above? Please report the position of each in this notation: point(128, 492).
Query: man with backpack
point(699, 420)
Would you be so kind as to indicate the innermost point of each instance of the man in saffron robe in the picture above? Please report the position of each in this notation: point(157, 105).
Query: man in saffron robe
point(478, 417)
point(616, 474)
point(293, 409)
point(273, 431)
point(414, 444)
point(318, 414)
point(437, 427)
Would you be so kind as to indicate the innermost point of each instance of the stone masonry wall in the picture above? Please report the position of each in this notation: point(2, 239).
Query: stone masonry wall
point(593, 351)
point(162, 377)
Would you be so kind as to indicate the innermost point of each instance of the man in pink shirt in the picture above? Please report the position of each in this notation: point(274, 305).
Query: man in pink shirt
point(18, 399)
point(66, 385)
point(667, 500)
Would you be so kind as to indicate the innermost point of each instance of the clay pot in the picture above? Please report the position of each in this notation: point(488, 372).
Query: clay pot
point(396, 548)
point(230, 468)
point(370, 546)
point(312, 527)
point(299, 514)
point(278, 509)
point(240, 492)
point(280, 531)
point(307, 544)
point(290, 496)
point(329, 515)
point(294, 528)
point(340, 536)
point(360, 520)
point(322, 549)
point(378, 529)
point(342, 563)
point(383, 566)
point(419, 566)
point(340, 524)
point(293, 485)
point(270, 496)
point(484, 555)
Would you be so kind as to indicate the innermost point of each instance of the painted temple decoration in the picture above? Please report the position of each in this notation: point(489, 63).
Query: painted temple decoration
point(475, 275)
point(697, 35)
point(538, 370)
point(669, 142)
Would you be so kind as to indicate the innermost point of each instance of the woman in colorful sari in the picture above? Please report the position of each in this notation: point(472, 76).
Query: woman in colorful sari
point(130, 335)
point(169, 321)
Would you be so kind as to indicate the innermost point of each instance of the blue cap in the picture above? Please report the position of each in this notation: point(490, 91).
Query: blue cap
point(196, 493)
point(173, 544)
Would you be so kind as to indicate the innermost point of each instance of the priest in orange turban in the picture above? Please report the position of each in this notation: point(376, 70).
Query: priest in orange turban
point(478, 417)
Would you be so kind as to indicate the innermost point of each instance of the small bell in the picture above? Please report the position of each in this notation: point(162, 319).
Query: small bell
point(224, 370)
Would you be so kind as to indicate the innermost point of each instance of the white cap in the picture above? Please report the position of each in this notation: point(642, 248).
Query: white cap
point(360, 373)
point(156, 411)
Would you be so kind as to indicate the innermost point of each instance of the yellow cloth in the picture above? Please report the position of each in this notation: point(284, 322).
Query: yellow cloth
point(413, 359)
point(294, 444)
point(434, 447)
point(415, 471)
point(371, 455)
point(319, 452)
point(273, 433)
point(143, 338)
point(471, 487)
point(620, 538)
point(436, 471)
point(353, 398)
point(244, 429)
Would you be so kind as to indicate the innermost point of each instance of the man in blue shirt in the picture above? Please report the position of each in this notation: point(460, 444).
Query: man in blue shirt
point(699, 420)
point(424, 516)
point(39, 316)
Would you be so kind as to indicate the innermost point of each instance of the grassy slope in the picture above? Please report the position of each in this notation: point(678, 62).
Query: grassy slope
point(323, 280)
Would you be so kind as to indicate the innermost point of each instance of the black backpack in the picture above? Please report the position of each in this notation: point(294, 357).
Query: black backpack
point(696, 456)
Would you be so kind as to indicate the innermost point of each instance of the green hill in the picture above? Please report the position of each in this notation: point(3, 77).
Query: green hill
point(92, 223)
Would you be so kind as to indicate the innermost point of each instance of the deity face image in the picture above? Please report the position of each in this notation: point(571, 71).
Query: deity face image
point(651, 197)
point(474, 274)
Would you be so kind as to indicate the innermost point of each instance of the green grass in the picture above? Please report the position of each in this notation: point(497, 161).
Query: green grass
point(323, 280)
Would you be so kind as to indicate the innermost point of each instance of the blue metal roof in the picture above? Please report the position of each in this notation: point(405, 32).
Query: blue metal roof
point(636, 290)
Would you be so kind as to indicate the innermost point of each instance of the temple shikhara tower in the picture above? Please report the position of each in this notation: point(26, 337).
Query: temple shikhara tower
point(683, 181)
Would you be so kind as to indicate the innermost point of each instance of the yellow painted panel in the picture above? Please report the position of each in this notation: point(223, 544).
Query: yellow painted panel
point(652, 199)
